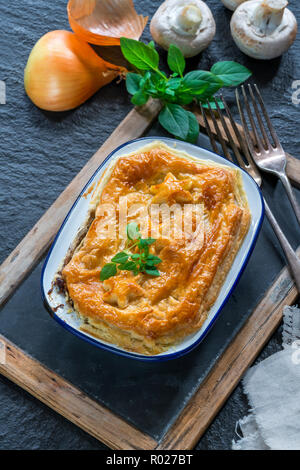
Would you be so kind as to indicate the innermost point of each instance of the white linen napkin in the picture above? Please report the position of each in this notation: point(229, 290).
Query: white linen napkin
point(273, 390)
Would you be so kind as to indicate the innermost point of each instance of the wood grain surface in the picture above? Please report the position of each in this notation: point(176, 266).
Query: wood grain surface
point(69, 401)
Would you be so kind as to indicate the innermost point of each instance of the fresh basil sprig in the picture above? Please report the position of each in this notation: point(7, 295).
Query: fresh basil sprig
point(176, 90)
point(141, 261)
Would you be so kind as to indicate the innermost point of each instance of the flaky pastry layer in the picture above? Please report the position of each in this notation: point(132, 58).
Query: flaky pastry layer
point(148, 314)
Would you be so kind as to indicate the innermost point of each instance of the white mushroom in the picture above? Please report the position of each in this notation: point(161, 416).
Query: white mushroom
point(232, 4)
point(188, 24)
point(263, 29)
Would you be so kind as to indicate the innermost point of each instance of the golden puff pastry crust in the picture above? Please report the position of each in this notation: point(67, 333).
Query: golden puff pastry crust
point(146, 314)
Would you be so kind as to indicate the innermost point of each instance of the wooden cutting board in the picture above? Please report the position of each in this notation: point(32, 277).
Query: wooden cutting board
point(75, 405)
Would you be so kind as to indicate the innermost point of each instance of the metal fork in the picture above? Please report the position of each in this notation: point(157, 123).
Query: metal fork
point(249, 166)
point(268, 157)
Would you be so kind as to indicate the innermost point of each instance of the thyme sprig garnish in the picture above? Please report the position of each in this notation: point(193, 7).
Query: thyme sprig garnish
point(135, 258)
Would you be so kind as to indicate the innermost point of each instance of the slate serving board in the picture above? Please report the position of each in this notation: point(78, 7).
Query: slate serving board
point(30, 158)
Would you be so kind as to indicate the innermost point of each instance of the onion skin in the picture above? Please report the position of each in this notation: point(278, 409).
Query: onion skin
point(63, 72)
point(104, 22)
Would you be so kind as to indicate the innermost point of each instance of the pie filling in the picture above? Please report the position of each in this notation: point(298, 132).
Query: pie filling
point(199, 215)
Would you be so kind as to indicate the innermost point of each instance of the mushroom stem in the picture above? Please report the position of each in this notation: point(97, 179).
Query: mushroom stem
point(268, 16)
point(189, 19)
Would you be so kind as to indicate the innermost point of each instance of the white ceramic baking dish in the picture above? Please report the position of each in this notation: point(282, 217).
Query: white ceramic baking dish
point(76, 218)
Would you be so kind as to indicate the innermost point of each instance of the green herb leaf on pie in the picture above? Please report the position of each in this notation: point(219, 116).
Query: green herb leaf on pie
point(152, 271)
point(108, 270)
point(121, 257)
point(143, 261)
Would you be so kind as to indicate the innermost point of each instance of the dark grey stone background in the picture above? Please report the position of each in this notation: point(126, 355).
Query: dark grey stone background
point(41, 152)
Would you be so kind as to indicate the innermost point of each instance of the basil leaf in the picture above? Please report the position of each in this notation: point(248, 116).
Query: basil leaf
point(153, 85)
point(174, 83)
point(133, 231)
point(176, 61)
point(129, 266)
point(152, 260)
point(133, 83)
point(169, 92)
point(193, 128)
point(175, 120)
point(231, 73)
point(152, 271)
point(201, 83)
point(145, 78)
point(108, 271)
point(155, 79)
point(151, 44)
point(121, 257)
point(185, 98)
point(146, 242)
point(140, 98)
point(139, 54)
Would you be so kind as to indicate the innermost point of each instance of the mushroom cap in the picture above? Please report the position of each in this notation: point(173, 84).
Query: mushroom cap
point(232, 4)
point(256, 44)
point(165, 28)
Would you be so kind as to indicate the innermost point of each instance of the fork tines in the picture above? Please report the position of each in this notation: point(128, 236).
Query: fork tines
point(259, 144)
point(229, 136)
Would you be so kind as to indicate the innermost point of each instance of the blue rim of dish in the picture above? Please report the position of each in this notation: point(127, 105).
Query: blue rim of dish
point(121, 352)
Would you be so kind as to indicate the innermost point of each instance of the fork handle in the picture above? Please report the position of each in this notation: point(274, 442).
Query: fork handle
point(292, 258)
point(287, 186)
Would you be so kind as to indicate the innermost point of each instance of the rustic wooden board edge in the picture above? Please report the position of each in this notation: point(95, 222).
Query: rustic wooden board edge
point(69, 401)
point(229, 369)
